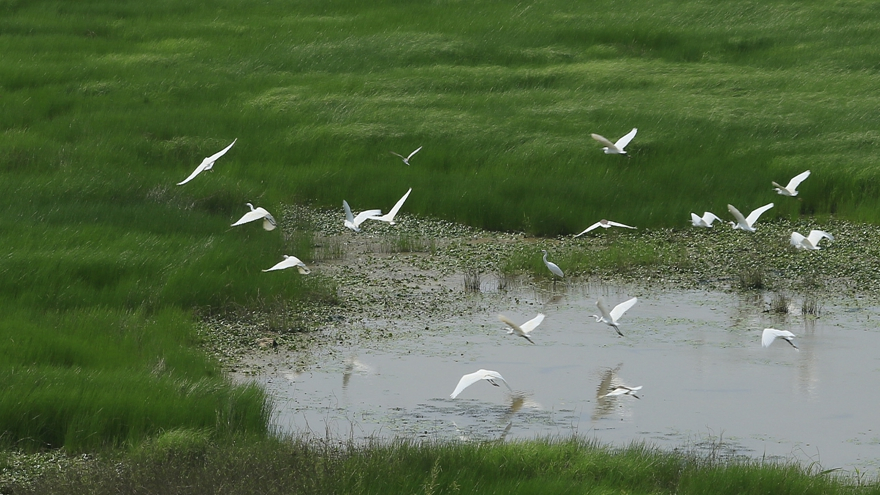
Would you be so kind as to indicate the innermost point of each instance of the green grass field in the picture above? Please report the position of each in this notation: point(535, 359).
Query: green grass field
point(106, 105)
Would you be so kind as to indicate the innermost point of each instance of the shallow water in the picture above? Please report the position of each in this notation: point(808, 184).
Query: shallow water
point(697, 354)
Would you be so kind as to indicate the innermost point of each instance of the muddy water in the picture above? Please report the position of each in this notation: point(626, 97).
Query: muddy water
point(697, 355)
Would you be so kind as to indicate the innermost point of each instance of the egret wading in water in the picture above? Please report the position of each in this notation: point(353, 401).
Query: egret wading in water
point(354, 222)
point(290, 262)
point(616, 148)
point(705, 221)
point(791, 188)
point(255, 214)
point(770, 334)
point(554, 269)
point(524, 329)
point(604, 224)
point(406, 158)
point(811, 242)
point(748, 223)
point(610, 317)
point(207, 164)
point(389, 217)
point(472, 378)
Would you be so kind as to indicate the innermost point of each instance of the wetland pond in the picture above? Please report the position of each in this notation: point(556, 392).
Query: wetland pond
point(707, 382)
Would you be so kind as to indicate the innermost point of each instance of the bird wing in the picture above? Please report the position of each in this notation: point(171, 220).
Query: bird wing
point(512, 325)
point(414, 152)
point(494, 375)
point(391, 214)
point(736, 214)
point(617, 224)
point(621, 308)
point(250, 216)
point(362, 216)
point(591, 227)
point(213, 158)
point(796, 180)
point(695, 220)
point(287, 262)
point(603, 308)
point(817, 235)
point(622, 142)
point(471, 378)
point(769, 336)
point(710, 217)
point(797, 240)
point(398, 154)
point(753, 216)
point(195, 172)
point(603, 140)
point(269, 222)
point(348, 215)
point(532, 324)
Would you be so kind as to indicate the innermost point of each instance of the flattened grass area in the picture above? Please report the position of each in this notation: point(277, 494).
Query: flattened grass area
point(183, 462)
point(105, 105)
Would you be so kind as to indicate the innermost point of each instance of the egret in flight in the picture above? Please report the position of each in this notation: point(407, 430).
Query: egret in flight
point(624, 390)
point(524, 329)
point(207, 163)
point(406, 158)
point(389, 217)
point(354, 222)
point(554, 269)
point(610, 317)
point(704, 221)
point(811, 242)
point(791, 188)
point(770, 334)
point(748, 222)
point(616, 148)
point(604, 224)
point(257, 214)
point(468, 380)
point(290, 262)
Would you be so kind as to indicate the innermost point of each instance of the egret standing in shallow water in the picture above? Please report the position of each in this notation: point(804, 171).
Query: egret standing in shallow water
point(472, 378)
point(554, 269)
point(257, 214)
point(524, 329)
point(604, 224)
point(705, 221)
point(616, 148)
point(811, 242)
point(610, 317)
point(791, 188)
point(207, 164)
point(770, 334)
point(406, 158)
point(290, 262)
point(747, 223)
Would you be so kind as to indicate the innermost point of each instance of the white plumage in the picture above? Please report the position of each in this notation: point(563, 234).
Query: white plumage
point(616, 148)
point(207, 163)
point(811, 242)
point(354, 222)
point(257, 214)
point(770, 334)
point(610, 317)
point(791, 188)
point(524, 329)
point(604, 224)
point(747, 223)
point(290, 262)
point(469, 379)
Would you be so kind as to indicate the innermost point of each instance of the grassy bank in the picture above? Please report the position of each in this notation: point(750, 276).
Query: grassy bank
point(185, 462)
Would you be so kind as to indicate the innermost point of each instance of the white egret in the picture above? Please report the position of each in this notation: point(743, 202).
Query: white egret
point(704, 221)
point(290, 262)
point(811, 242)
point(615, 148)
point(791, 188)
point(406, 158)
point(207, 163)
point(610, 317)
point(389, 217)
point(624, 390)
point(524, 329)
point(257, 214)
point(604, 224)
point(748, 222)
point(468, 380)
point(554, 269)
point(770, 334)
point(354, 222)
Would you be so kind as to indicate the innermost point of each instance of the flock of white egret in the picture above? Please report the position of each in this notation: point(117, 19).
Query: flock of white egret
point(609, 317)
